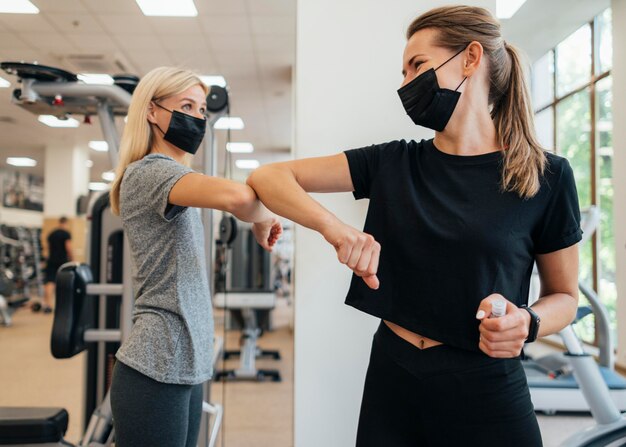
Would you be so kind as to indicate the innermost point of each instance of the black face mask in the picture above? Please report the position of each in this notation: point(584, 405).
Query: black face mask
point(185, 131)
point(426, 103)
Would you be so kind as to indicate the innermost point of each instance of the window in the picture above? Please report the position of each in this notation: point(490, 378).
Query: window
point(571, 89)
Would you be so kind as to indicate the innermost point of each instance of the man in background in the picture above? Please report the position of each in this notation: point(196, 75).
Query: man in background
point(59, 252)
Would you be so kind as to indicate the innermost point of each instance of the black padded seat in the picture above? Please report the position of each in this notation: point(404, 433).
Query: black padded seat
point(24, 425)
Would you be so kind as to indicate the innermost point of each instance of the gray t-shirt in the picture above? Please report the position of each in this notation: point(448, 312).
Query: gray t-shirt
point(172, 337)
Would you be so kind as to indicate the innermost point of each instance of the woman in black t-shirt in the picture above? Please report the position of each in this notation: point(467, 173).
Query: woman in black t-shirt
point(454, 225)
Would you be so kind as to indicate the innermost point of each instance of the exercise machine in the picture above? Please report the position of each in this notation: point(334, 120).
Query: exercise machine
point(551, 379)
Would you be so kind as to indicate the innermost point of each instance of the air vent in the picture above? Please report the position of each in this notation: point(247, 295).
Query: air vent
point(7, 120)
point(96, 63)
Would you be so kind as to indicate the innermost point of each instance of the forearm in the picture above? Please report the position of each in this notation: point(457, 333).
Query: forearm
point(280, 191)
point(556, 311)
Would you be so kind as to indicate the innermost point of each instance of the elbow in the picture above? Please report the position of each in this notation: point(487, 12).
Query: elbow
point(241, 199)
point(255, 179)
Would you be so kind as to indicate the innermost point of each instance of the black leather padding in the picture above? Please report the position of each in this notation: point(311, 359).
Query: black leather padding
point(23, 425)
point(72, 310)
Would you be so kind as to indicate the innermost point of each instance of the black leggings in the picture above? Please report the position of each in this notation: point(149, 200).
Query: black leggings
point(443, 396)
point(150, 413)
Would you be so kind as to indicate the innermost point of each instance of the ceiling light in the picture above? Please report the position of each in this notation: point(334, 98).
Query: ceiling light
point(89, 164)
point(99, 146)
point(213, 80)
point(21, 161)
point(109, 176)
point(247, 164)
point(18, 7)
point(240, 148)
point(98, 186)
point(505, 9)
point(96, 78)
point(229, 122)
point(53, 121)
point(171, 8)
point(4, 83)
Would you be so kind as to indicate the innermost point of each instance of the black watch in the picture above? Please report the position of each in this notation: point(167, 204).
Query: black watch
point(533, 329)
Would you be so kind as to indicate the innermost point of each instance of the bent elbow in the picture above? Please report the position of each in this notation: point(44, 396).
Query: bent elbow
point(240, 199)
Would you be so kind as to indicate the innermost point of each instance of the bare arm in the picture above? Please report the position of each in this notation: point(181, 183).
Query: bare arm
point(202, 191)
point(68, 249)
point(504, 336)
point(283, 188)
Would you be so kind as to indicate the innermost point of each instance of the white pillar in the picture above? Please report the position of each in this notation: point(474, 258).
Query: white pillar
point(348, 65)
point(619, 167)
point(66, 178)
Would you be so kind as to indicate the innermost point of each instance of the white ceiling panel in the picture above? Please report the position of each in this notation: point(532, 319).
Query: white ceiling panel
point(152, 59)
point(116, 6)
point(93, 42)
point(125, 23)
point(167, 26)
point(135, 42)
point(184, 42)
point(41, 57)
point(272, 7)
point(26, 23)
point(51, 42)
point(233, 42)
point(75, 23)
point(59, 5)
point(285, 44)
point(220, 7)
point(225, 24)
point(194, 60)
point(281, 25)
point(13, 41)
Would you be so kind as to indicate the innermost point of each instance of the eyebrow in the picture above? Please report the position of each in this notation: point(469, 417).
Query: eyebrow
point(193, 101)
point(411, 62)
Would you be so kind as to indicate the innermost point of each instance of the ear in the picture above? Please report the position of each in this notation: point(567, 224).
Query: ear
point(151, 113)
point(473, 57)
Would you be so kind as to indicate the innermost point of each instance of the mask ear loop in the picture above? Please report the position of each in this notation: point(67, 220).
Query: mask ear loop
point(450, 58)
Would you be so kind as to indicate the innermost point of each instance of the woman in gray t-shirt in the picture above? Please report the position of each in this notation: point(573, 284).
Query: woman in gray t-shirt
point(156, 391)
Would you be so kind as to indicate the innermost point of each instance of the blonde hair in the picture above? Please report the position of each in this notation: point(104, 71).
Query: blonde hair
point(137, 139)
point(511, 110)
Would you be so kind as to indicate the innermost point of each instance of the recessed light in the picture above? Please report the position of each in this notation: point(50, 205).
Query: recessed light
point(109, 176)
point(99, 146)
point(96, 78)
point(505, 9)
point(240, 148)
point(98, 186)
point(169, 8)
point(229, 122)
point(247, 164)
point(18, 7)
point(89, 164)
point(213, 80)
point(4, 83)
point(53, 121)
point(21, 161)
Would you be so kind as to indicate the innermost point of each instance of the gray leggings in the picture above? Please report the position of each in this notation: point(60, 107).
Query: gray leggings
point(151, 413)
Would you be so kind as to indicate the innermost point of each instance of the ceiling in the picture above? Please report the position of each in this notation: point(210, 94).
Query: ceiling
point(249, 42)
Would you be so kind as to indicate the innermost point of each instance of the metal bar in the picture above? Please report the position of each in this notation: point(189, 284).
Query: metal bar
point(109, 131)
point(103, 335)
point(117, 95)
point(105, 289)
point(128, 298)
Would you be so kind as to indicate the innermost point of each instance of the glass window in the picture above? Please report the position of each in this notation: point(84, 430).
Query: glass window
point(573, 132)
point(573, 61)
point(604, 149)
point(543, 81)
point(604, 42)
point(544, 126)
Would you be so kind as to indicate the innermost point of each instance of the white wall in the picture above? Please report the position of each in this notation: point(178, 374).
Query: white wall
point(619, 166)
point(348, 64)
point(66, 178)
point(14, 217)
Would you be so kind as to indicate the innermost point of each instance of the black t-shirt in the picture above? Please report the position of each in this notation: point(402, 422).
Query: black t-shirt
point(450, 237)
point(57, 254)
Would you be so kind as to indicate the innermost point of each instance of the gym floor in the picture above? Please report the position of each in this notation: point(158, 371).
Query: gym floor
point(257, 414)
